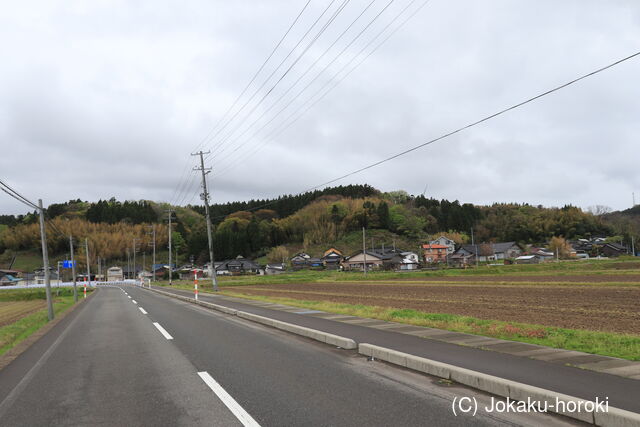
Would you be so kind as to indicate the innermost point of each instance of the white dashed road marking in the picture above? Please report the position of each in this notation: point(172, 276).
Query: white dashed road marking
point(162, 331)
point(237, 410)
point(142, 310)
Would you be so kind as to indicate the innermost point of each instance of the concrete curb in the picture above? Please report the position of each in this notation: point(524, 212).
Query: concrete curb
point(505, 388)
point(346, 343)
point(338, 341)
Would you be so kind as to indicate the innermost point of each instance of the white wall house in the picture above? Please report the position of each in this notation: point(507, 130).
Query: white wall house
point(442, 240)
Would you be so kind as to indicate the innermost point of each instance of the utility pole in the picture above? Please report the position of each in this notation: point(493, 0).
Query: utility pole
point(128, 264)
point(205, 198)
point(58, 287)
point(170, 211)
point(86, 248)
point(73, 271)
point(473, 243)
point(633, 247)
point(45, 261)
point(364, 251)
point(135, 249)
point(153, 242)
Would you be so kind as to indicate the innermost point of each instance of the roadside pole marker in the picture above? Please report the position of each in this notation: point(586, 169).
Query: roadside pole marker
point(195, 278)
point(85, 288)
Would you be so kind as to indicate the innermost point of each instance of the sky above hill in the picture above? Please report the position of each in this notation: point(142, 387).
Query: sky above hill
point(109, 98)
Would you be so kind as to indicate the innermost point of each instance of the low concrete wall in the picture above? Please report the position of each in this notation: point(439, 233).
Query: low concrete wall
point(504, 388)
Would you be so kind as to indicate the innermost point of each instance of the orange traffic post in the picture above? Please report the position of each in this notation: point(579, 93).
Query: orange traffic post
point(195, 282)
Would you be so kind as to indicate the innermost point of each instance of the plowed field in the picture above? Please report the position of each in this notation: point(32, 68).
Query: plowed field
point(12, 311)
point(577, 278)
point(604, 308)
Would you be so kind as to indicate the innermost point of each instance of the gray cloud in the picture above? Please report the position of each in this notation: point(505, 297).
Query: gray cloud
point(108, 99)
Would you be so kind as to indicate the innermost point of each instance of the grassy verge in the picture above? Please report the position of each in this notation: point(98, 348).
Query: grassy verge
point(603, 343)
point(11, 335)
point(621, 266)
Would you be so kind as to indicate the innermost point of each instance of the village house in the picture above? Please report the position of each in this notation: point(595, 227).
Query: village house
point(188, 272)
point(527, 259)
point(462, 258)
point(9, 277)
point(445, 241)
point(435, 253)
point(388, 260)
point(613, 249)
point(299, 260)
point(332, 259)
point(357, 261)
point(239, 265)
point(486, 252)
point(410, 261)
point(271, 269)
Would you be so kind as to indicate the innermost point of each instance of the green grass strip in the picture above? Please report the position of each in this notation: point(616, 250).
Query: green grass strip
point(623, 346)
point(11, 335)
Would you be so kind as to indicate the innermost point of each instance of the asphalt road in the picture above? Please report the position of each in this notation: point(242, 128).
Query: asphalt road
point(619, 391)
point(145, 359)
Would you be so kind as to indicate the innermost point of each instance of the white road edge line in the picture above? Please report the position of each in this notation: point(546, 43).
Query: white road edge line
point(142, 310)
point(133, 301)
point(237, 410)
point(162, 331)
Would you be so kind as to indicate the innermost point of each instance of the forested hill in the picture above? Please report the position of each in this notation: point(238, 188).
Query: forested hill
point(286, 205)
point(313, 219)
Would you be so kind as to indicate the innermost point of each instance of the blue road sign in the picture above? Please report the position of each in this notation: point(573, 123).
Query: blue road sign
point(68, 264)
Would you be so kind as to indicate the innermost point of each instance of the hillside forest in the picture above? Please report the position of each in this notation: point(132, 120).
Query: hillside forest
point(323, 218)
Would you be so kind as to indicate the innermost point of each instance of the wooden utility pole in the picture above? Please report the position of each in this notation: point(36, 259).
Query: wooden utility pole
point(135, 249)
point(45, 261)
point(153, 242)
point(86, 248)
point(205, 198)
point(170, 212)
point(73, 271)
point(364, 251)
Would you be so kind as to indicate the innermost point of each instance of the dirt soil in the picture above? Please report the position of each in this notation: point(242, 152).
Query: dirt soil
point(13, 311)
point(610, 308)
point(579, 278)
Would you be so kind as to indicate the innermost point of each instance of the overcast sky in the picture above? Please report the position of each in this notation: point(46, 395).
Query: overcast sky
point(109, 98)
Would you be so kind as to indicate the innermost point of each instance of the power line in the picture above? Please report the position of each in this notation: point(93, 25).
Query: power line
point(291, 51)
point(264, 63)
point(291, 101)
point(285, 73)
point(484, 119)
point(19, 197)
point(465, 127)
point(280, 128)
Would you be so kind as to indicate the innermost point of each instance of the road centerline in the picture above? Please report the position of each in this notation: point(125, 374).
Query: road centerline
point(142, 310)
point(162, 331)
point(235, 408)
